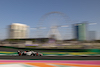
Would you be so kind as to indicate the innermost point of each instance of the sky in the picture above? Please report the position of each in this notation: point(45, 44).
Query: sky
point(29, 12)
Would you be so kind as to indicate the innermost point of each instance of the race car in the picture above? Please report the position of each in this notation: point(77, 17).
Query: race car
point(29, 53)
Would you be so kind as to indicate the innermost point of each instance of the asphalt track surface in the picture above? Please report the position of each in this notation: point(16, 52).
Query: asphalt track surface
point(45, 57)
point(50, 57)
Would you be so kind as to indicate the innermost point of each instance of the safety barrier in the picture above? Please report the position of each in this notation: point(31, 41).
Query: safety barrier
point(52, 50)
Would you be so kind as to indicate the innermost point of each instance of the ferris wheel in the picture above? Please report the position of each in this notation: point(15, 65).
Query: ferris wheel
point(56, 25)
point(52, 24)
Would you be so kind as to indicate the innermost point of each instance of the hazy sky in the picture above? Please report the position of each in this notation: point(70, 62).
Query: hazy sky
point(30, 11)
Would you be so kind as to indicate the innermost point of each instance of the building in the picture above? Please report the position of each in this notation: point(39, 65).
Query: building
point(92, 35)
point(17, 31)
point(80, 31)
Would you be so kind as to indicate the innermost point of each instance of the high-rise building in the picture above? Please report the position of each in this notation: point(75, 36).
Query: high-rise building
point(18, 31)
point(92, 35)
point(80, 31)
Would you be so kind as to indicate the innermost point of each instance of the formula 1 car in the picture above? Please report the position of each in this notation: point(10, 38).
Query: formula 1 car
point(29, 53)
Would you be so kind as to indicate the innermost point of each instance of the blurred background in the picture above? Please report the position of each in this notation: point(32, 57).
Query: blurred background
point(54, 24)
point(54, 30)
